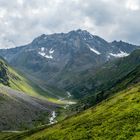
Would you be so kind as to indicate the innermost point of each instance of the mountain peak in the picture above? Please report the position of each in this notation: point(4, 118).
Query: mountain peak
point(82, 31)
point(83, 34)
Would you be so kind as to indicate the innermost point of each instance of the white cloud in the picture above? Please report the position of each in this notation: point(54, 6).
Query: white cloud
point(20, 2)
point(2, 12)
point(133, 5)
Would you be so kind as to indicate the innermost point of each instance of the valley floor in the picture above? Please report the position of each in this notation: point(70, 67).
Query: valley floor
point(117, 118)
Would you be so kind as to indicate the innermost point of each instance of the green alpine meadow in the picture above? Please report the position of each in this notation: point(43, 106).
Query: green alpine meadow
point(117, 117)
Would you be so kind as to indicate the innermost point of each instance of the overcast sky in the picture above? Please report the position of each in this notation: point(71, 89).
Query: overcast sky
point(23, 20)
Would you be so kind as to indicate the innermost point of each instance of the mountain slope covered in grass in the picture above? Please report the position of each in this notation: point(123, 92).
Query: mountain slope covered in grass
point(23, 104)
point(16, 80)
point(113, 77)
point(115, 118)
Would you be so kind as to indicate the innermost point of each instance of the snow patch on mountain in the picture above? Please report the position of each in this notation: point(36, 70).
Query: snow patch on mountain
point(121, 54)
point(51, 51)
point(42, 53)
point(45, 55)
point(49, 56)
point(42, 49)
point(95, 51)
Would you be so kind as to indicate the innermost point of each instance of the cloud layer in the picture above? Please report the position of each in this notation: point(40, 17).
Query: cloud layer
point(23, 20)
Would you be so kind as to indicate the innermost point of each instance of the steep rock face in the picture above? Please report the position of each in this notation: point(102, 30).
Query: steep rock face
point(59, 59)
point(4, 79)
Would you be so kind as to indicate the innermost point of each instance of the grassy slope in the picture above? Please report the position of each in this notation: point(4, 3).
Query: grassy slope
point(18, 81)
point(111, 78)
point(114, 118)
point(29, 64)
point(131, 78)
point(18, 110)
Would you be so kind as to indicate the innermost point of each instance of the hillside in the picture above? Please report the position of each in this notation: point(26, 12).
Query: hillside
point(115, 118)
point(93, 98)
point(19, 111)
point(106, 76)
point(16, 80)
point(23, 104)
point(112, 77)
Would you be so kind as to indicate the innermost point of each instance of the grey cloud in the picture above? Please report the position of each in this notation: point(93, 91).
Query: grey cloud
point(23, 20)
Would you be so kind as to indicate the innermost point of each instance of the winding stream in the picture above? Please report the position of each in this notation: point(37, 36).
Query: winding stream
point(52, 118)
point(68, 94)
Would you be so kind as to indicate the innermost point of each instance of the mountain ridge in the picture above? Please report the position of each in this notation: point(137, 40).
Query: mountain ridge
point(59, 59)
